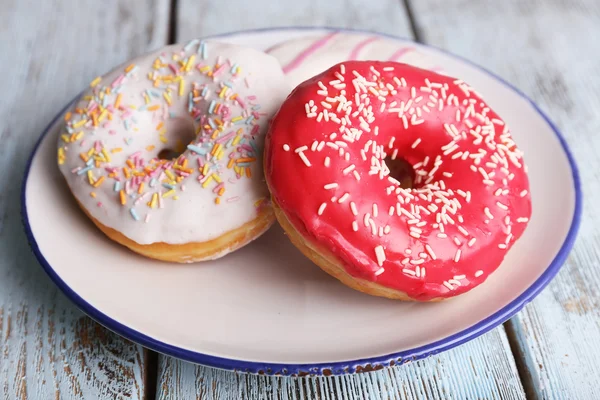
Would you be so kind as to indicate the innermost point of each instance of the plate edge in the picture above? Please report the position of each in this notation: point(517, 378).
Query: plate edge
point(342, 367)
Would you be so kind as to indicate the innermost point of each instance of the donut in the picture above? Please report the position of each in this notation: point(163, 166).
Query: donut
point(164, 153)
point(396, 180)
point(304, 57)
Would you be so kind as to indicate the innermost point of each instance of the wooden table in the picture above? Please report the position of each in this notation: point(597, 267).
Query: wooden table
point(49, 50)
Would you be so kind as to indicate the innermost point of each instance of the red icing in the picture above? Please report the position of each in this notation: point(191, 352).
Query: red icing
point(300, 190)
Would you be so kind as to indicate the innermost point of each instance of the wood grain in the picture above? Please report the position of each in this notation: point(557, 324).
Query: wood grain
point(203, 17)
point(481, 369)
point(548, 49)
point(50, 51)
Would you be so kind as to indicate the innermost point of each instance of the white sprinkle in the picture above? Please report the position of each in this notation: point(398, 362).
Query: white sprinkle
point(414, 234)
point(405, 121)
point(353, 208)
point(331, 186)
point(523, 193)
point(457, 241)
point(301, 149)
point(484, 173)
point(488, 213)
point(366, 219)
point(355, 226)
point(379, 271)
point(442, 235)
point(392, 142)
point(430, 251)
point(408, 271)
point(459, 277)
point(522, 219)
point(471, 242)
point(356, 175)
point(314, 145)
point(380, 253)
point(457, 256)
point(344, 197)
point(478, 273)
point(348, 169)
point(322, 208)
point(502, 205)
point(286, 147)
point(304, 159)
point(387, 229)
point(394, 154)
point(320, 146)
point(502, 246)
point(327, 161)
point(448, 285)
point(454, 282)
point(375, 210)
point(416, 143)
point(463, 230)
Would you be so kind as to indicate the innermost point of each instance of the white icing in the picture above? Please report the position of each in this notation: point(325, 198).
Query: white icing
point(194, 217)
point(306, 57)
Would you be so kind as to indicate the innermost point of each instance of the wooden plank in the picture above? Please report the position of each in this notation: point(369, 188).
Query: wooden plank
point(203, 18)
point(483, 368)
point(480, 369)
point(549, 50)
point(49, 52)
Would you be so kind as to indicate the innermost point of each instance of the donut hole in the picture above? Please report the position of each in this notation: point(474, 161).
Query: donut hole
point(168, 154)
point(179, 133)
point(402, 171)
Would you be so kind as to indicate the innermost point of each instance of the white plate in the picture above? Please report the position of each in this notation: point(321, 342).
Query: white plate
point(266, 308)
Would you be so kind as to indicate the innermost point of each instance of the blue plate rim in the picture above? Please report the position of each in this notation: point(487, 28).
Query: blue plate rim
point(342, 367)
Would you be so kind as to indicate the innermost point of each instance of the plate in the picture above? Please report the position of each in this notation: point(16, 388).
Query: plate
point(266, 308)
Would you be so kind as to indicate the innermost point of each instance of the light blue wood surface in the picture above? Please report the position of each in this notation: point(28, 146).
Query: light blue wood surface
point(50, 50)
point(481, 369)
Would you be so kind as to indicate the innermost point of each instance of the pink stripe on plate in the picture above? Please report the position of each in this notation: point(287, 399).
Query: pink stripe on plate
point(401, 52)
point(308, 51)
point(356, 50)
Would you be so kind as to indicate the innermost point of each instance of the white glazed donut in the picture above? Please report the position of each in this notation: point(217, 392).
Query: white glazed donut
point(209, 200)
point(306, 57)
